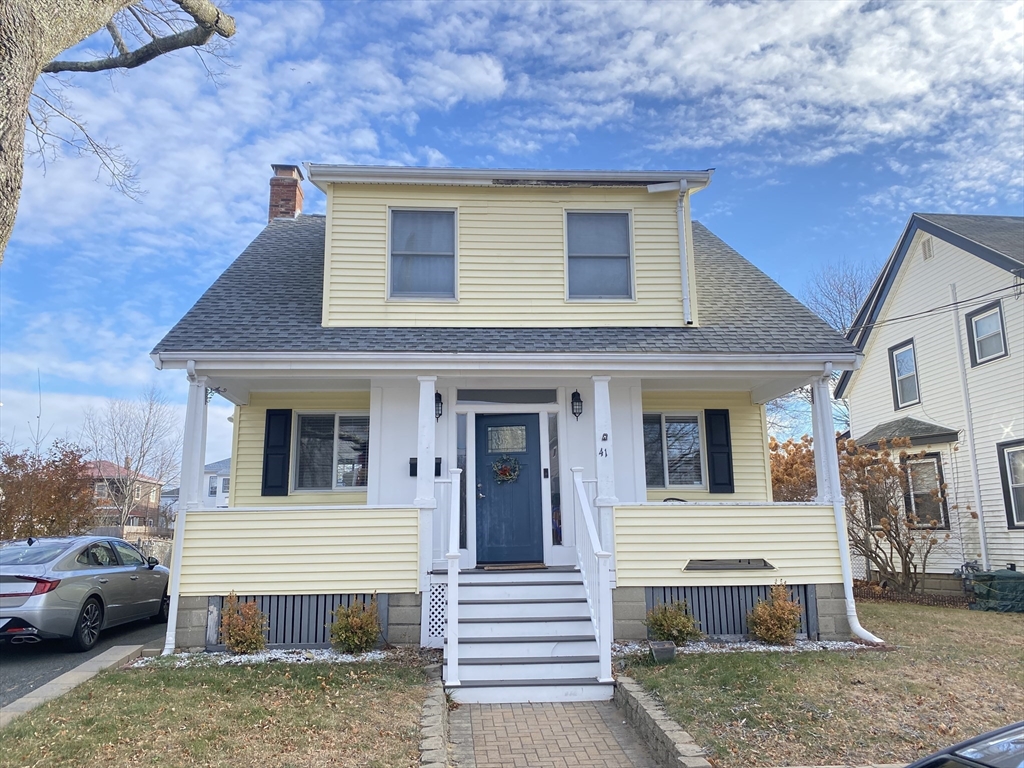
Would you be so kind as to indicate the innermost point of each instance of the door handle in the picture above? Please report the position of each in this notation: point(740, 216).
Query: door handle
point(104, 581)
point(135, 578)
point(481, 496)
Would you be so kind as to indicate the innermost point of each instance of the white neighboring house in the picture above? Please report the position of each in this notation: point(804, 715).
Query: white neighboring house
point(216, 484)
point(942, 332)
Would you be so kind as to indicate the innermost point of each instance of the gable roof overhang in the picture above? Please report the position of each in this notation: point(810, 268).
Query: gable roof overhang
point(766, 376)
point(656, 181)
point(869, 312)
point(919, 433)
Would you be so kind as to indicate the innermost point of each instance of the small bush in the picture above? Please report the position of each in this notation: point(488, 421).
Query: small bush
point(242, 626)
point(355, 629)
point(775, 621)
point(670, 621)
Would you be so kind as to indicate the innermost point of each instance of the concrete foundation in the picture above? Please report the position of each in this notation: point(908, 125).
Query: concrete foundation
point(832, 621)
point(404, 619)
point(629, 610)
point(191, 628)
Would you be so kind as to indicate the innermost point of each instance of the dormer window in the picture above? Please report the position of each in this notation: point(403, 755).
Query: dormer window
point(599, 255)
point(422, 254)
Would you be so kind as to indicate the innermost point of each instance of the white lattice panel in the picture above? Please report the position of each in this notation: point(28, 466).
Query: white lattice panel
point(438, 615)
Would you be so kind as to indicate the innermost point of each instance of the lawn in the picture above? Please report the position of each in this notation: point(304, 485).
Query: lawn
point(267, 715)
point(954, 673)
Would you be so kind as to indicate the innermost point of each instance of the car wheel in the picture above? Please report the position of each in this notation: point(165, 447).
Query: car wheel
point(87, 628)
point(160, 617)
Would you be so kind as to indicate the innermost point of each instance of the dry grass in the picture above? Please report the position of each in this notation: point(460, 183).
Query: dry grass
point(271, 716)
point(953, 674)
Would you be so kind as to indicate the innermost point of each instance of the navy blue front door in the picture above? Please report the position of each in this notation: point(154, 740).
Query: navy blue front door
point(509, 519)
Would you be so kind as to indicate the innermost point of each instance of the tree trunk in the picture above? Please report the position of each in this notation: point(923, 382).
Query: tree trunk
point(32, 33)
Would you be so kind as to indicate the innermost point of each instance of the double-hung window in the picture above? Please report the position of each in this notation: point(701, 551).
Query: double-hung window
point(331, 451)
point(903, 369)
point(925, 498)
point(986, 334)
point(1011, 472)
point(213, 485)
point(599, 255)
point(672, 452)
point(422, 254)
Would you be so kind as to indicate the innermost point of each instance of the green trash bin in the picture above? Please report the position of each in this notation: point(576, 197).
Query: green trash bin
point(1001, 591)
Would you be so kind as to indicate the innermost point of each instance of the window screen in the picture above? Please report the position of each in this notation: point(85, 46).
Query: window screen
point(599, 255)
point(423, 254)
point(654, 456)
point(353, 439)
point(924, 479)
point(315, 451)
point(672, 450)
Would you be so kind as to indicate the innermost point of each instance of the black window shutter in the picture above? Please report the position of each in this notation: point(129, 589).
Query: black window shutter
point(719, 440)
point(277, 448)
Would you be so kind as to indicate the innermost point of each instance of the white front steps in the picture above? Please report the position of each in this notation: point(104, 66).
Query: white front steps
point(526, 636)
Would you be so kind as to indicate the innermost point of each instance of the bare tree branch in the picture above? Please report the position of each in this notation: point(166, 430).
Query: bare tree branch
point(115, 35)
point(193, 37)
point(142, 23)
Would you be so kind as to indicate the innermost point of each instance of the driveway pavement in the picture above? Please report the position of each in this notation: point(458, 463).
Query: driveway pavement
point(25, 667)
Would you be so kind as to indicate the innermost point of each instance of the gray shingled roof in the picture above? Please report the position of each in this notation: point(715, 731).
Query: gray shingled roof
point(224, 465)
point(1004, 234)
point(919, 432)
point(269, 300)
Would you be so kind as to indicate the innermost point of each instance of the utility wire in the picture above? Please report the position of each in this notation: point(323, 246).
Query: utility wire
point(934, 310)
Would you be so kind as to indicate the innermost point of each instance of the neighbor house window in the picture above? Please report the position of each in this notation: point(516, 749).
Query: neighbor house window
point(138, 492)
point(213, 486)
point(985, 333)
point(925, 497)
point(225, 485)
point(599, 255)
point(672, 450)
point(1011, 472)
point(903, 370)
point(423, 254)
point(331, 451)
point(100, 490)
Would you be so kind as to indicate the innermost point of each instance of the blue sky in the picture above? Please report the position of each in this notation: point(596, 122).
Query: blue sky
point(828, 124)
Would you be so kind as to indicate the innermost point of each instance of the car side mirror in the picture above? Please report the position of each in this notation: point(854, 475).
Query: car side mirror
point(152, 562)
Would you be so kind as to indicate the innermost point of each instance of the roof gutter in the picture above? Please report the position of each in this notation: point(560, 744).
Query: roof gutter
point(323, 174)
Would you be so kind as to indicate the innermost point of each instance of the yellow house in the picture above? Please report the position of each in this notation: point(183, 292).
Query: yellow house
point(520, 407)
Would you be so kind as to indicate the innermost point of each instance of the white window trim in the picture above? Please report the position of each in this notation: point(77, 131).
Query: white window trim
point(999, 332)
point(936, 461)
point(699, 415)
point(631, 299)
point(1018, 514)
point(896, 377)
point(387, 271)
point(211, 490)
point(294, 458)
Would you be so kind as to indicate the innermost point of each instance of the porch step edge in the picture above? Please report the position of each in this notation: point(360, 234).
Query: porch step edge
point(530, 660)
point(496, 583)
point(520, 683)
point(536, 639)
point(517, 601)
point(524, 619)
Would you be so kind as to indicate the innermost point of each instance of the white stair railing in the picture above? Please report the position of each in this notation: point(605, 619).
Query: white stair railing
point(452, 555)
point(595, 566)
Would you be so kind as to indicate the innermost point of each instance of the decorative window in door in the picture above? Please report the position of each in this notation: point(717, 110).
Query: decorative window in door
point(506, 439)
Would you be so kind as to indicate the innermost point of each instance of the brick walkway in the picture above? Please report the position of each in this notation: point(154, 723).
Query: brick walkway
point(578, 735)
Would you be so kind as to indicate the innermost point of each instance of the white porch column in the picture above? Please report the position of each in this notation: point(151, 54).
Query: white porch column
point(193, 459)
point(425, 499)
point(604, 460)
point(830, 489)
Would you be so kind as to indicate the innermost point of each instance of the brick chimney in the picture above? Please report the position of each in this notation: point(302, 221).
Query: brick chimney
point(285, 192)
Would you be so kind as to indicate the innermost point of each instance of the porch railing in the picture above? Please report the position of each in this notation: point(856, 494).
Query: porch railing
point(452, 555)
point(595, 566)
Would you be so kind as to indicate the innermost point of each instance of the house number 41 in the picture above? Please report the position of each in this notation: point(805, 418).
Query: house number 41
point(603, 452)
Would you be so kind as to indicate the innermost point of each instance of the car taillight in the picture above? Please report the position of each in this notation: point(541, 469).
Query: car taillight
point(42, 585)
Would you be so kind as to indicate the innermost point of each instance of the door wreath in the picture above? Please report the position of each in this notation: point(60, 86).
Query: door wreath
point(506, 469)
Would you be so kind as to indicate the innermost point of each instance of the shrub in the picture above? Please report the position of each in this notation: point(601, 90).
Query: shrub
point(775, 621)
point(355, 629)
point(670, 621)
point(242, 626)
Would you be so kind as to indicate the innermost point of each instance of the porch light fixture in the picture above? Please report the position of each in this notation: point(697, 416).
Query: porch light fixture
point(577, 405)
point(438, 406)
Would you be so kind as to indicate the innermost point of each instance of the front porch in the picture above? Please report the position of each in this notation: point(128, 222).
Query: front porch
point(549, 507)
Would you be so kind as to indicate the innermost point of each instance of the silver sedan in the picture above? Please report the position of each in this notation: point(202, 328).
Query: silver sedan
point(75, 587)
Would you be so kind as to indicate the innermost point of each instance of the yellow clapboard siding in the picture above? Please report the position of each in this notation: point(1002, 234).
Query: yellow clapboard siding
point(653, 543)
point(282, 551)
point(250, 426)
point(510, 255)
point(751, 470)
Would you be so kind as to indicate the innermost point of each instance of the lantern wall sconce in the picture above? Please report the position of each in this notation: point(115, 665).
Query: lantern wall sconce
point(577, 405)
point(438, 406)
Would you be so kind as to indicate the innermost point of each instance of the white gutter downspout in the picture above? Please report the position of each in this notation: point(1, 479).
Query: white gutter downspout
point(684, 268)
point(824, 441)
point(965, 395)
